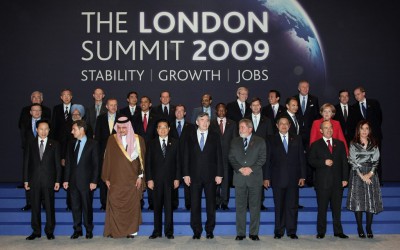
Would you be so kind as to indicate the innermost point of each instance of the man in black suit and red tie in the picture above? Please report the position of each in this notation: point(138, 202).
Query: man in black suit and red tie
point(81, 176)
point(203, 170)
point(42, 176)
point(285, 172)
point(328, 156)
point(133, 109)
point(238, 109)
point(163, 172)
point(273, 109)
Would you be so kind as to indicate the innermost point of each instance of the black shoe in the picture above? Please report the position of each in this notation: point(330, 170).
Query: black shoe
point(240, 237)
point(50, 236)
point(361, 235)
point(68, 209)
point(254, 237)
point(196, 236)
point(154, 236)
point(151, 207)
point(341, 235)
point(370, 235)
point(217, 207)
point(277, 236)
point(76, 235)
point(89, 235)
point(320, 236)
point(263, 208)
point(293, 236)
point(102, 208)
point(130, 236)
point(300, 206)
point(33, 236)
point(224, 207)
point(187, 207)
point(26, 208)
point(210, 236)
point(170, 236)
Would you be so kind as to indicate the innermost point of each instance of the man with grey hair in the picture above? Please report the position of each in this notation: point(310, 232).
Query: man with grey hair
point(239, 109)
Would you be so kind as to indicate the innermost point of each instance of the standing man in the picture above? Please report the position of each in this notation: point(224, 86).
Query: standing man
point(328, 157)
point(25, 116)
point(104, 128)
point(273, 109)
point(206, 101)
point(203, 169)
point(42, 176)
point(238, 109)
point(98, 108)
point(285, 172)
point(163, 172)
point(227, 130)
point(123, 169)
point(81, 176)
point(133, 109)
point(247, 156)
point(165, 110)
point(345, 115)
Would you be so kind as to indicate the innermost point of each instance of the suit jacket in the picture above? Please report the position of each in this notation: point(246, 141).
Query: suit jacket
point(234, 113)
point(203, 166)
point(374, 116)
point(60, 127)
point(102, 132)
point(348, 126)
point(292, 129)
point(254, 157)
point(159, 169)
point(306, 120)
point(158, 111)
point(329, 177)
point(264, 128)
point(26, 132)
point(127, 112)
point(267, 111)
point(45, 172)
point(25, 115)
point(285, 169)
point(90, 116)
point(87, 170)
point(198, 110)
point(151, 130)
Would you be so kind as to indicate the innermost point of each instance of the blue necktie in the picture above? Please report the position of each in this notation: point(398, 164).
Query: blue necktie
point(34, 127)
point(285, 145)
point(303, 105)
point(179, 128)
point(364, 110)
point(202, 141)
point(242, 109)
point(76, 151)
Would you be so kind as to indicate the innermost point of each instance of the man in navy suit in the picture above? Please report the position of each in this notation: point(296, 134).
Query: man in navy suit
point(42, 176)
point(165, 110)
point(96, 109)
point(273, 109)
point(239, 108)
point(81, 176)
point(206, 101)
point(133, 109)
point(345, 114)
point(286, 172)
point(203, 169)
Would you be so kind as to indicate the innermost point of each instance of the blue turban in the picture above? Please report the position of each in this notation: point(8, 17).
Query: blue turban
point(80, 108)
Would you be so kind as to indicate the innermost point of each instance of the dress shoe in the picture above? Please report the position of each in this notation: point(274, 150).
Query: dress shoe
point(277, 236)
point(254, 237)
point(50, 236)
point(102, 208)
point(361, 235)
point(76, 235)
point(300, 206)
point(240, 237)
point(187, 207)
point(341, 235)
point(170, 236)
point(130, 236)
point(263, 208)
point(26, 208)
point(89, 235)
point(154, 236)
point(196, 237)
point(370, 235)
point(151, 207)
point(224, 207)
point(320, 236)
point(210, 236)
point(33, 236)
point(293, 236)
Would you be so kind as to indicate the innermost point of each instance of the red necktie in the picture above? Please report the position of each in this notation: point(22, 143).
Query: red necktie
point(329, 145)
point(145, 122)
point(221, 126)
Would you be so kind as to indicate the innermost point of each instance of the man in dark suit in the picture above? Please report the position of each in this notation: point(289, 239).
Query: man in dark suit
point(328, 157)
point(238, 109)
point(286, 172)
point(163, 172)
point(133, 109)
point(345, 115)
point(81, 176)
point(206, 101)
point(98, 108)
point(180, 130)
point(165, 110)
point(370, 110)
point(203, 169)
point(104, 128)
point(290, 113)
point(227, 130)
point(25, 116)
point(42, 176)
point(273, 109)
point(247, 156)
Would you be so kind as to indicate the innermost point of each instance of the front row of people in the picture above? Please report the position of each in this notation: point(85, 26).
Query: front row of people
point(278, 162)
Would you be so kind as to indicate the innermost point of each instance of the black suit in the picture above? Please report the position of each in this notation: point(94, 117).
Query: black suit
point(79, 176)
point(91, 117)
point(127, 112)
point(306, 120)
point(292, 130)
point(233, 111)
point(202, 167)
point(25, 116)
point(60, 128)
point(348, 126)
point(170, 117)
point(284, 170)
point(163, 171)
point(328, 181)
point(41, 175)
point(264, 128)
point(268, 112)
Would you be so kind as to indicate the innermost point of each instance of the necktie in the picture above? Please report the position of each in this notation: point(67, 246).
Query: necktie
point(202, 141)
point(145, 122)
point(221, 126)
point(132, 111)
point(345, 113)
point(329, 145)
point(66, 113)
point(274, 111)
point(296, 124)
point(34, 127)
point(41, 149)
point(364, 110)
point(255, 123)
point(97, 110)
point(245, 144)
point(242, 109)
point(110, 124)
point(165, 110)
point(285, 145)
point(303, 105)
point(76, 152)
point(179, 128)
point(164, 148)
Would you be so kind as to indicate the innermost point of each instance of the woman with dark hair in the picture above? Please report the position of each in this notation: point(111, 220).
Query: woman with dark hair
point(364, 193)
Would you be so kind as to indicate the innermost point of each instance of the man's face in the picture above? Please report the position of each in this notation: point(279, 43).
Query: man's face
point(203, 123)
point(292, 106)
point(162, 129)
point(112, 106)
point(221, 111)
point(304, 88)
point(359, 95)
point(98, 95)
point(327, 130)
point(145, 104)
point(180, 113)
point(36, 112)
point(76, 115)
point(244, 131)
point(344, 97)
point(205, 101)
point(164, 98)
point(255, 107)
point(272, 98)
point(43, 130)
point(283, 125)
point(36, 98)
point(122, 130)
point(243, 95)
point(132, 100)
point(66, 97)
point(77, 132)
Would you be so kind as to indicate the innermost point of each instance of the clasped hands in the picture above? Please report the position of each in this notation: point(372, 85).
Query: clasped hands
point(245, 171)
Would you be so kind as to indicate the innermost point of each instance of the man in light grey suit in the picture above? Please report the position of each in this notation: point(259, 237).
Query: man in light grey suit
point(247, 156)
point(98, 108)
point(206, 101)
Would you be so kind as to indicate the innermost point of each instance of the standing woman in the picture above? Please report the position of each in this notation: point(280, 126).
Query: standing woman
point(364, 193)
